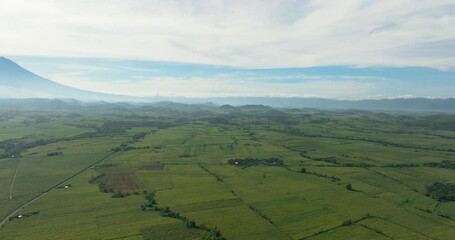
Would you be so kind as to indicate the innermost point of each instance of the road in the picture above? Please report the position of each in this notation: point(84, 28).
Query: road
point(14, 179)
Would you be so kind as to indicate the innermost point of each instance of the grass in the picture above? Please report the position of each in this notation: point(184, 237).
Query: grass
point(171, 231)
point(82, 212)
point(183, 161)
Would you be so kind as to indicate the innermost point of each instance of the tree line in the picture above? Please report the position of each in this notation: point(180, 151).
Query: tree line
point(248, 162)
point(211, 233)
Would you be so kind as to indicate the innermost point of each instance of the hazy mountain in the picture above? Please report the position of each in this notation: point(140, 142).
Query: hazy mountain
point(398, 104)
point(16, 83)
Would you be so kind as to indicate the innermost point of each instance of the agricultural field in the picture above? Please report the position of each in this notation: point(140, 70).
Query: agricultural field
point(175, 171)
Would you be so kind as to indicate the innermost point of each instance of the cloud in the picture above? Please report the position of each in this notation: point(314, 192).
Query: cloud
point(235, 33)
point(228, 85)
point(149, 78)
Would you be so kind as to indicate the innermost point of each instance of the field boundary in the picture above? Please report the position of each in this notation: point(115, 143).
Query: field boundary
point(250, 206)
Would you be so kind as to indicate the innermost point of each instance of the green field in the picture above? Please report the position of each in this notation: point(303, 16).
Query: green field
point(120, 171)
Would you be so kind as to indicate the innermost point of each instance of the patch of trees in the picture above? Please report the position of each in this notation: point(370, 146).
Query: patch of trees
point(248, 162)
point(443, 164)
point(362, 165)
point(332, 178)
point(442, 192)
point(14, 147)
point(297, 132)
point(327, 159)
point(212, 233)
point(139, 136)
point(120, 127)
point(347, 222)
point(53, 154)
point(399, 165)
point(112, 128)
point(125, 147)
point(104, 189)
point(94, 179)
point(119, 194)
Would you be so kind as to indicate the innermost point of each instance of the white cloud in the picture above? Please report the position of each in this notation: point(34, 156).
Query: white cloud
point(227, 85)
point(237, 33)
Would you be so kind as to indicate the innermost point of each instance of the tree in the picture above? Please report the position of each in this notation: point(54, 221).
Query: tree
point(347, 222)
point(349, 187)
point(441, 191)
point(191, 224)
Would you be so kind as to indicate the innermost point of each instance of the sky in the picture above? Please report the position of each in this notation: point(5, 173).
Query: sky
point(352, 49)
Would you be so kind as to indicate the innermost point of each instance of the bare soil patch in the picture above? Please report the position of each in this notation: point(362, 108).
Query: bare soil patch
point(126, 183)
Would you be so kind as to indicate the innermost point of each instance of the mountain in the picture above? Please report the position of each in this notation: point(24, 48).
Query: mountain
point(397, 104)
point(389, 105)
point(17, 82)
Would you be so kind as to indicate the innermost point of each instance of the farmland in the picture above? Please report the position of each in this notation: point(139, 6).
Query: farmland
point(175, 171)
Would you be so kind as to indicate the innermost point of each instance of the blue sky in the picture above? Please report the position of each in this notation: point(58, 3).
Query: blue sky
point(348, 49)
point(151, 78)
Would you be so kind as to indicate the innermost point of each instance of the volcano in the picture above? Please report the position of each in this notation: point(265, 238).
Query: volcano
point(17, 82)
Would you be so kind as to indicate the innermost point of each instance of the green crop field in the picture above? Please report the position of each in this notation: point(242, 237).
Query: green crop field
point(174, 171)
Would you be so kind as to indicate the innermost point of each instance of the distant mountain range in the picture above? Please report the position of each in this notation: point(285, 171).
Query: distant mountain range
point(18, 83)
